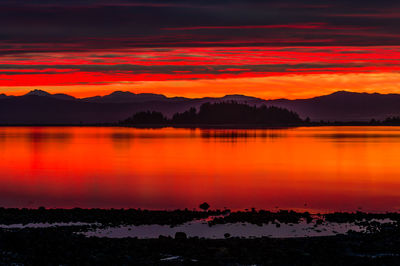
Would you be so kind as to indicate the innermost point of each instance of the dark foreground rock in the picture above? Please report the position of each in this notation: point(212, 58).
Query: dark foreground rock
point(62, 246)
point(105, 217)
point(65, 245)
point(119, 217)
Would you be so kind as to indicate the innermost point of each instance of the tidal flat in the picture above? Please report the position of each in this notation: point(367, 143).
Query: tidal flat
point(134, 236)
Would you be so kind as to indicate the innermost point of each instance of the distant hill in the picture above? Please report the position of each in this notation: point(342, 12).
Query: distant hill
point(126, 97)
point(344, 106)
point(60, 96)
point(40, 107)
point(3, 96)
point(50, 110)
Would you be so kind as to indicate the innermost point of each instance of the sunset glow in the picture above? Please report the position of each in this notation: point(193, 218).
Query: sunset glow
point(308, 50)
point(210, 132)
point(262, 72)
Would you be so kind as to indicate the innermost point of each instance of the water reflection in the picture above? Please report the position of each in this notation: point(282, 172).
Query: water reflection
point(324, 169)
point(35, 134)
point(236, 134)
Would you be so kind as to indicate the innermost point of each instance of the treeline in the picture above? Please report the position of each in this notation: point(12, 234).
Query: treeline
point(222, 113)
point(233, 113)
point(390, 121)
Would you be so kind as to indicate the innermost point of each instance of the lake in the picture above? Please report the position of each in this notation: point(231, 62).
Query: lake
point(320, 169)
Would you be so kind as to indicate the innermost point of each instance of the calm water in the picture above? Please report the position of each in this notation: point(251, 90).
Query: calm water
point(319, 169)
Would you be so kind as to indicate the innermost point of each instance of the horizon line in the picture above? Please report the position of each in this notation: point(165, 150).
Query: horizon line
point(171, 97)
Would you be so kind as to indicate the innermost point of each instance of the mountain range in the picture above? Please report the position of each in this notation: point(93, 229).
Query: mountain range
point(40, 107)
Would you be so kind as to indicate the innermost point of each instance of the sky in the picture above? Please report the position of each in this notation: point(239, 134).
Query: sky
point(196, 48)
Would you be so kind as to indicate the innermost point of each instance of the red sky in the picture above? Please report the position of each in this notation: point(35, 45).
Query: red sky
point(290, 72)
point(200, 48)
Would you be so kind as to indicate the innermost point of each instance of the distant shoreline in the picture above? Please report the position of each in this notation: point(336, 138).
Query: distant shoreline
point(156, 126)
point(125, 216)
point(205, 126)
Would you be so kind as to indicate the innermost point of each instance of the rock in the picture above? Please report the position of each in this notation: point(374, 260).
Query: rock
point(204, 206)
point(180, 235)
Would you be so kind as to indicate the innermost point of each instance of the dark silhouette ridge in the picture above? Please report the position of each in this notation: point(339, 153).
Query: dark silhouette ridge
point(344, 106)
point(146, 118)
point(236, 113)
point(223, 113)
point(390, 121)
point(42, 93)
point(125, 97)
point(39, 107)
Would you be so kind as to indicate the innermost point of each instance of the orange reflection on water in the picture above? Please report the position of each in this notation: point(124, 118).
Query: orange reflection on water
point(319, 169)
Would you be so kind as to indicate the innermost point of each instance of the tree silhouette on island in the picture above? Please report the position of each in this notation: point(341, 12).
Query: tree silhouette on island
point(222, 113)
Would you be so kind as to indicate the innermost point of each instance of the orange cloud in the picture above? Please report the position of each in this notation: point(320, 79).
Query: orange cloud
point(284, 86)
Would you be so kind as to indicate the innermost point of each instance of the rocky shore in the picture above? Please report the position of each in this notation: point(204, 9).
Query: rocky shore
point(378, 244)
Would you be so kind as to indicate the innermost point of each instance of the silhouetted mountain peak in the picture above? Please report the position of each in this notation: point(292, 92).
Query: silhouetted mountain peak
point(41, 93)
point(125, 97)
point(4, 96)
point(38, 93)
point(342, 93)
point(63, 96)
point(238, 96)
point(121, 93)
point(349, 93)
point(344, 96)
point(338, 106)
point(242, 99)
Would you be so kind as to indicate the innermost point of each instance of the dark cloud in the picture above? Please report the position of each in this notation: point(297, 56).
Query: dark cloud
point(71, 25)
point(172, 69)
